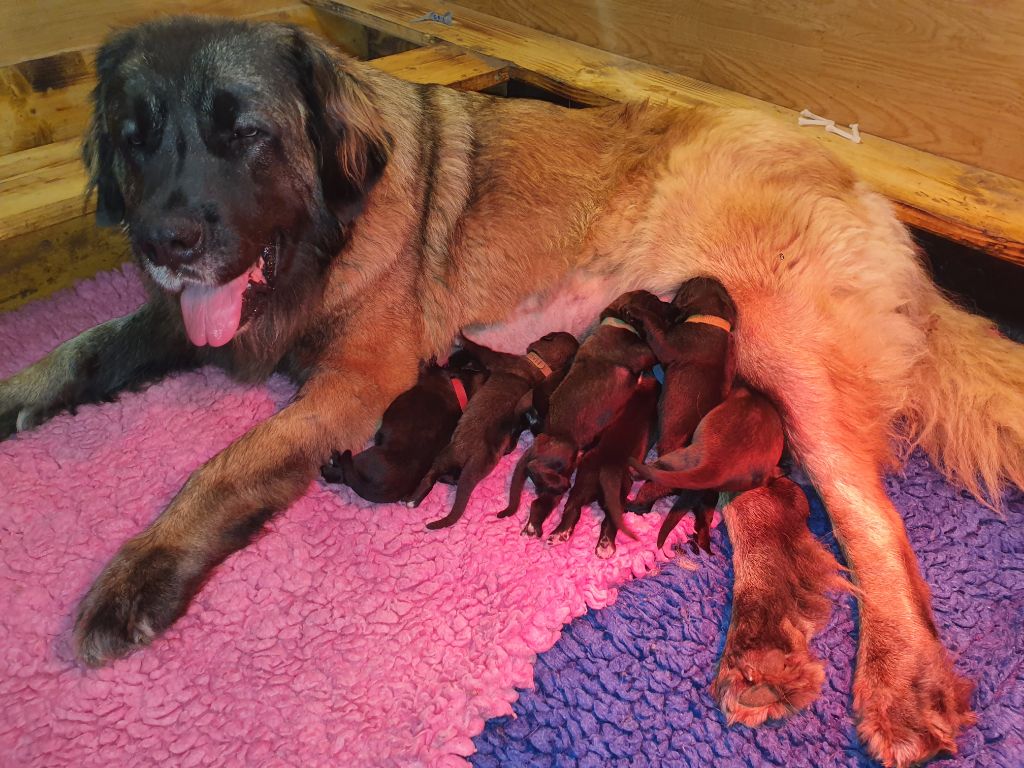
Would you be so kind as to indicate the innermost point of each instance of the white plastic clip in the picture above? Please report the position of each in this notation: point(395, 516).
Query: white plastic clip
point(809, 118)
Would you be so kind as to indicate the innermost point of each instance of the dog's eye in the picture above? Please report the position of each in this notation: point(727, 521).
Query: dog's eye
point(245, 132)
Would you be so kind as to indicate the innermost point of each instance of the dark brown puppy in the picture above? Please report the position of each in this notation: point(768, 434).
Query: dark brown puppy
point(603, 475)
point(783, 577)
point(414, 429)
point(692, 339)
point(736, 447)
point(493, 420)
point(603, 377)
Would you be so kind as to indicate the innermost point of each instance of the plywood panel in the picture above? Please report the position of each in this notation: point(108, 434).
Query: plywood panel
point(944, 76)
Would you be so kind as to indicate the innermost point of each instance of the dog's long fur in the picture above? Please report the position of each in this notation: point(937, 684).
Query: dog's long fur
point(414, 211)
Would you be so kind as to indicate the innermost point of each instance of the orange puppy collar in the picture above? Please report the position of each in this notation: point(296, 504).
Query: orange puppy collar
point(718, 322)
point(538, 361)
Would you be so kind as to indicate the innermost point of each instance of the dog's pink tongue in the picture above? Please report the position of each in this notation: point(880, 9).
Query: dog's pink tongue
point(212, 314)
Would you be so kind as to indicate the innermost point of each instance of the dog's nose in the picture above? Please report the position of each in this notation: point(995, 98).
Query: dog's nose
point(173, 242)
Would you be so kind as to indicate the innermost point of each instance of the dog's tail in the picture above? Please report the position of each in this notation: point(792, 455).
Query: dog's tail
point(966, 404)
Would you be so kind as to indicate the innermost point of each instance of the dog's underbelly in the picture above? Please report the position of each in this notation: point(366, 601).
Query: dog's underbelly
point(573, 306)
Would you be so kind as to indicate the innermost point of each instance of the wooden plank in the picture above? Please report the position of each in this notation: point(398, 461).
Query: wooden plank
point(40, 187)
point(444, 65)
point(968, 205)
point(47, 260)
point(939, 75)
point(46, 100)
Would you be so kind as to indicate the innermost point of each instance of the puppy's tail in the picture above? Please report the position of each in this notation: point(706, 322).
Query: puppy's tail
point(966, 404)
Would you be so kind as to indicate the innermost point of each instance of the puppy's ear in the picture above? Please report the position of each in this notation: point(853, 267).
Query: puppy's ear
point(346, 128)
point(98, 152)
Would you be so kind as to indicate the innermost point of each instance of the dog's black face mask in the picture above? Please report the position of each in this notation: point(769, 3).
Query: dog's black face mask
point(235, 155)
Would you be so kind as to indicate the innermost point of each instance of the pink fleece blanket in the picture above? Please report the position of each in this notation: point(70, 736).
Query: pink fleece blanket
point(348, 635)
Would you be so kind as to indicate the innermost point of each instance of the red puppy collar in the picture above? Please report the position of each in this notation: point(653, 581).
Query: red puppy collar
point(460, 392)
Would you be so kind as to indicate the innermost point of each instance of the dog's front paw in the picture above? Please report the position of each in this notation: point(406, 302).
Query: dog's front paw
point(140, 593)
point(16, 413)
point(766, 682)
point(767, 669)
point(910, 703)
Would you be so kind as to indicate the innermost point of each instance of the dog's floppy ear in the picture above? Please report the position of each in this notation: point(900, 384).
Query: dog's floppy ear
point(98, 147)
point(344, 125)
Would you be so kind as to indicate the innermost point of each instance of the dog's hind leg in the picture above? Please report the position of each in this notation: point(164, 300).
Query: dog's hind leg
point(95, 366)
point(696, 501)
point(649, 493)
point(606, 538)
point(470, 477)
point(443, 465)
point(515, 489)
point(338, 468)
point(614, 487)
point(910, 702)
point(540, 510)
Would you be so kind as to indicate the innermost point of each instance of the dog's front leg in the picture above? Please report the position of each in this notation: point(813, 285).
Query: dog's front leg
point(150, 581)
point(94, 366)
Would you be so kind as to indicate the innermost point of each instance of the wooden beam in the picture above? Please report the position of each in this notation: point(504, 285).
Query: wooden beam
point(965, 204)
point(444, 65)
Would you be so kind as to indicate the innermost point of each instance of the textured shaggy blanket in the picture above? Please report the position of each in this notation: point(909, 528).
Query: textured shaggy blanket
point(628, 685)
point(350, 636)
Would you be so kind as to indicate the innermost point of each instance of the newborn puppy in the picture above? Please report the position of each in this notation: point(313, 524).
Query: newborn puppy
point(736, 447)
point(598, 386)
point(604, 476)
point(696, 355)
point(493, 420)
point(413, 431)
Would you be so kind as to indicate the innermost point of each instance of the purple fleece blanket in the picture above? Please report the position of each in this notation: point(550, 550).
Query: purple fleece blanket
point(628, 685)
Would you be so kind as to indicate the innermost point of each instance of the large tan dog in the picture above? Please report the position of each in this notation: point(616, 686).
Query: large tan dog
point(308, 214)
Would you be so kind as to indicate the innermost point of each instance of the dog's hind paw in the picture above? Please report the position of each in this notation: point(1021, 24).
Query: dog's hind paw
point(139, 595)
point(911, 704)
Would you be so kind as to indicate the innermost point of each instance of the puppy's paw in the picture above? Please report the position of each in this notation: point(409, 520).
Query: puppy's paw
point(532, 528)
point(910, 703)
point(766, 683)
point(605, 548)
point(139, 595)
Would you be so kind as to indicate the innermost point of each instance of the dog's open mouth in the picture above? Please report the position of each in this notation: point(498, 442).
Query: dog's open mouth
point(213, 314)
